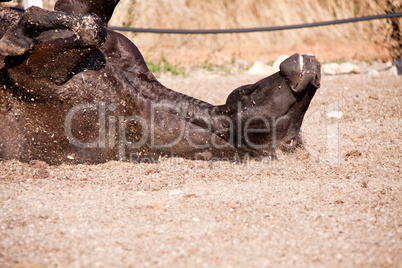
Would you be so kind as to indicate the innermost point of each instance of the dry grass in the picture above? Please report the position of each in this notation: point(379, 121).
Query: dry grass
point(252, 13)
point(369, 40)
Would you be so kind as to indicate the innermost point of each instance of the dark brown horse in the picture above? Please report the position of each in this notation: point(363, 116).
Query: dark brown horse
point(75, 91)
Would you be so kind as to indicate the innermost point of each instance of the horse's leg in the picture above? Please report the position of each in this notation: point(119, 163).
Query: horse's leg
point(51, 64)
point(53, 46)
point(88, 29)
point(102, 8)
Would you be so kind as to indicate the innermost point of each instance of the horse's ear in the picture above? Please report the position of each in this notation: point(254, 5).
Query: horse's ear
point(102, 8)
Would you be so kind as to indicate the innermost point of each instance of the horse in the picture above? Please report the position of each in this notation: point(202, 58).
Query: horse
point(75, 91)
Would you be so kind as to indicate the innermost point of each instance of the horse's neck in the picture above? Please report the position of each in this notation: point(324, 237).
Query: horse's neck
point(193, 110)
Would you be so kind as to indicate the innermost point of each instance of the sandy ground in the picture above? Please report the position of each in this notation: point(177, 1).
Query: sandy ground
point(335, 203)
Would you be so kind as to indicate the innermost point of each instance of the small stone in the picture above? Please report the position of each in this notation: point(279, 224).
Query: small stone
point(37, 206)
point(260, 68)
point(156, 206)
point(347, 67)
point(394, 71)
point(374, 73)
point(335, 114)
point(330, 68)
point(344, 68)
point(175, 192)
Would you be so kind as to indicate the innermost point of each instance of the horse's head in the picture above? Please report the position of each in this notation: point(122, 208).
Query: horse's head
point(271, 112)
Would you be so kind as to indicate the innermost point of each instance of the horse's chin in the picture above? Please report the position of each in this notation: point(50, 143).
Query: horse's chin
point(290, 144)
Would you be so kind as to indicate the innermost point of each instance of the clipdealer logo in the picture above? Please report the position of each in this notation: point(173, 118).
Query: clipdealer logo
point(111, 131)
point(321, 133)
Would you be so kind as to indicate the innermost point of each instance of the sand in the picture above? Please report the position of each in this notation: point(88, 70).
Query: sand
point(337, 202)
